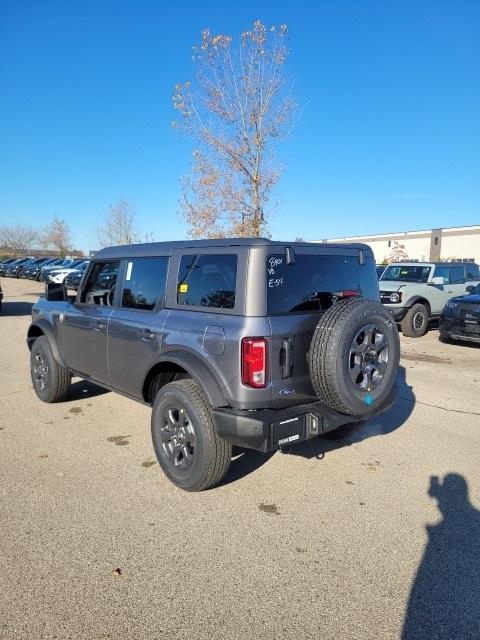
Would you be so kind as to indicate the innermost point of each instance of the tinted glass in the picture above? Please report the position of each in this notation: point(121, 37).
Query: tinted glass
point(406, 273)
point(314, 282)
point(207, 281)
point(472, 271)
point(442, 272)
point(457, 275)
point(144, 284)
point(100, 287)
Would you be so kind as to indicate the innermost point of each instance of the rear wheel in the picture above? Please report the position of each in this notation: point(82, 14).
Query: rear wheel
point(354, 356)
point(50, 380)
point(186, 444)
point(415, 322)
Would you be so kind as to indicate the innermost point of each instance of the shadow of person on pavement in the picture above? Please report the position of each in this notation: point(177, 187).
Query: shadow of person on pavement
point(444, 601)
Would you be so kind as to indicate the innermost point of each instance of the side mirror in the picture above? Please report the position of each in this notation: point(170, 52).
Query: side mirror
point(470, 288)
point(55, 292)
point(438, 280)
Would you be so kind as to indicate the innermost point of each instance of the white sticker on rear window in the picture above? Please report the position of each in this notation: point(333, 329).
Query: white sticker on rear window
point(129, 271)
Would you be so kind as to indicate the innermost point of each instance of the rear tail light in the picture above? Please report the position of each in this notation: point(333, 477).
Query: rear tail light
point(347, 293)
point(254, 362)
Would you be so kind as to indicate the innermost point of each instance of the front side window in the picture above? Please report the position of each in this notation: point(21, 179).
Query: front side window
point(406, 273)
point(314, 282)
point(457, 275)
point(207, 281)
point(144, 283)
point(100, 286)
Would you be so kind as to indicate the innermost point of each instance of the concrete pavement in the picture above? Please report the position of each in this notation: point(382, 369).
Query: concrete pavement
point(327, 541)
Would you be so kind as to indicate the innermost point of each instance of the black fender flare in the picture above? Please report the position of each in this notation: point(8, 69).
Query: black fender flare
point(198, 370)
point(45, 329)
point(416, 298)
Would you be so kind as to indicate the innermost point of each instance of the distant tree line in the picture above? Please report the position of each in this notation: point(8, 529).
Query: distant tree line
point(118, 227)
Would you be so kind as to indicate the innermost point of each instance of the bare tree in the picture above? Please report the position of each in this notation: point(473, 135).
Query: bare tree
point(119, 225)
point(19, 238)
point(398, 253)
point(237, 110)
point(57, 236)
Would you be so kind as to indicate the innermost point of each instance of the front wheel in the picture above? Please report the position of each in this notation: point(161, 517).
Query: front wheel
point(50, 380)
point(186, 444)
point(415, 322)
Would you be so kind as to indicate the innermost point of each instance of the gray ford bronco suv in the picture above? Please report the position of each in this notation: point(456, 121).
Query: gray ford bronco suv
point(244, 342)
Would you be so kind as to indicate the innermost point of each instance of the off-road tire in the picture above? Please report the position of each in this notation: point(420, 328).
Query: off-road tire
point(410, 325)
point(330, 356)
point(211, 455)
point(54, 383)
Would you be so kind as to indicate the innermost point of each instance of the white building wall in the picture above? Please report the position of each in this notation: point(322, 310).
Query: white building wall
point(455, 242)
point(461, 243)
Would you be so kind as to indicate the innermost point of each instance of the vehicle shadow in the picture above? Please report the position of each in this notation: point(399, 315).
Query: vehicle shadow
point(444, 600)
point(380, 425)
point(460, 343)
point(247, 461)
point(16, 308)
point(83, 389)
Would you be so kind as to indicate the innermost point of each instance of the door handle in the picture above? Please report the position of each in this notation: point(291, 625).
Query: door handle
point(101, 326)
point(147, 334)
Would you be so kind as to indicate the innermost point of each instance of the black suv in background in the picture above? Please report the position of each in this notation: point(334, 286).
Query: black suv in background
point(243, 342)
point(460, 317)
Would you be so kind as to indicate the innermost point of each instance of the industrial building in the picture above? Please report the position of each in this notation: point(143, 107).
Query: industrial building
point(448, 244)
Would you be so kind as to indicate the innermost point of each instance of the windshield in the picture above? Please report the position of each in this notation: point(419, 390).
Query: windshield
point(406, 273)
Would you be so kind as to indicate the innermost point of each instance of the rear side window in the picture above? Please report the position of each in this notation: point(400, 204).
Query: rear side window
point(207, 281)
point(144, 283)
point(314, 282)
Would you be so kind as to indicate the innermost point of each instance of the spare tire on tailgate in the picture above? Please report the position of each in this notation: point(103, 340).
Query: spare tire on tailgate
point(354, 356)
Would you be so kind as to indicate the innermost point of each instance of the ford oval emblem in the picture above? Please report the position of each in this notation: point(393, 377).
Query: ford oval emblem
point(286, 391)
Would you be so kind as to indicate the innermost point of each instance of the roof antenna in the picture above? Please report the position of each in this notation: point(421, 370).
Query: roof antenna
point(289, 255)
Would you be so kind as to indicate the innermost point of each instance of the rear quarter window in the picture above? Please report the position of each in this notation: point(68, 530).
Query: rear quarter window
point(207, 281)
point(314, 282)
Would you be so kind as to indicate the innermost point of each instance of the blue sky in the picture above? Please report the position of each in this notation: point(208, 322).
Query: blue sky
point(388, 140)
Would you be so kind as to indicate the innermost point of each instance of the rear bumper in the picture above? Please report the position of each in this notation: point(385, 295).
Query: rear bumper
point(269, 429)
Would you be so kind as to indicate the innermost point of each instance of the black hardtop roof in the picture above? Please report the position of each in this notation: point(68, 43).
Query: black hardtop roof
point(166, 248)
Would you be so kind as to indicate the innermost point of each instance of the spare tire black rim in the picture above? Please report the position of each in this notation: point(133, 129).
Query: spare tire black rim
point(368, 357)
point(178, 437)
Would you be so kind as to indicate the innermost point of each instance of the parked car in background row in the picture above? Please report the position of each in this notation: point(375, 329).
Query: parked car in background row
point(56, 264)
point(460, 317)
point(1, 298)
point(28, 266)
point(5, 263)
point(33, 272)
point(58, 274)
point(73, 279)
point(416, 292)
point(11, 271)
point(244, 342)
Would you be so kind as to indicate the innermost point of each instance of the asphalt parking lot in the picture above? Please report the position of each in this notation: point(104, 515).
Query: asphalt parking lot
point(375, 536)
